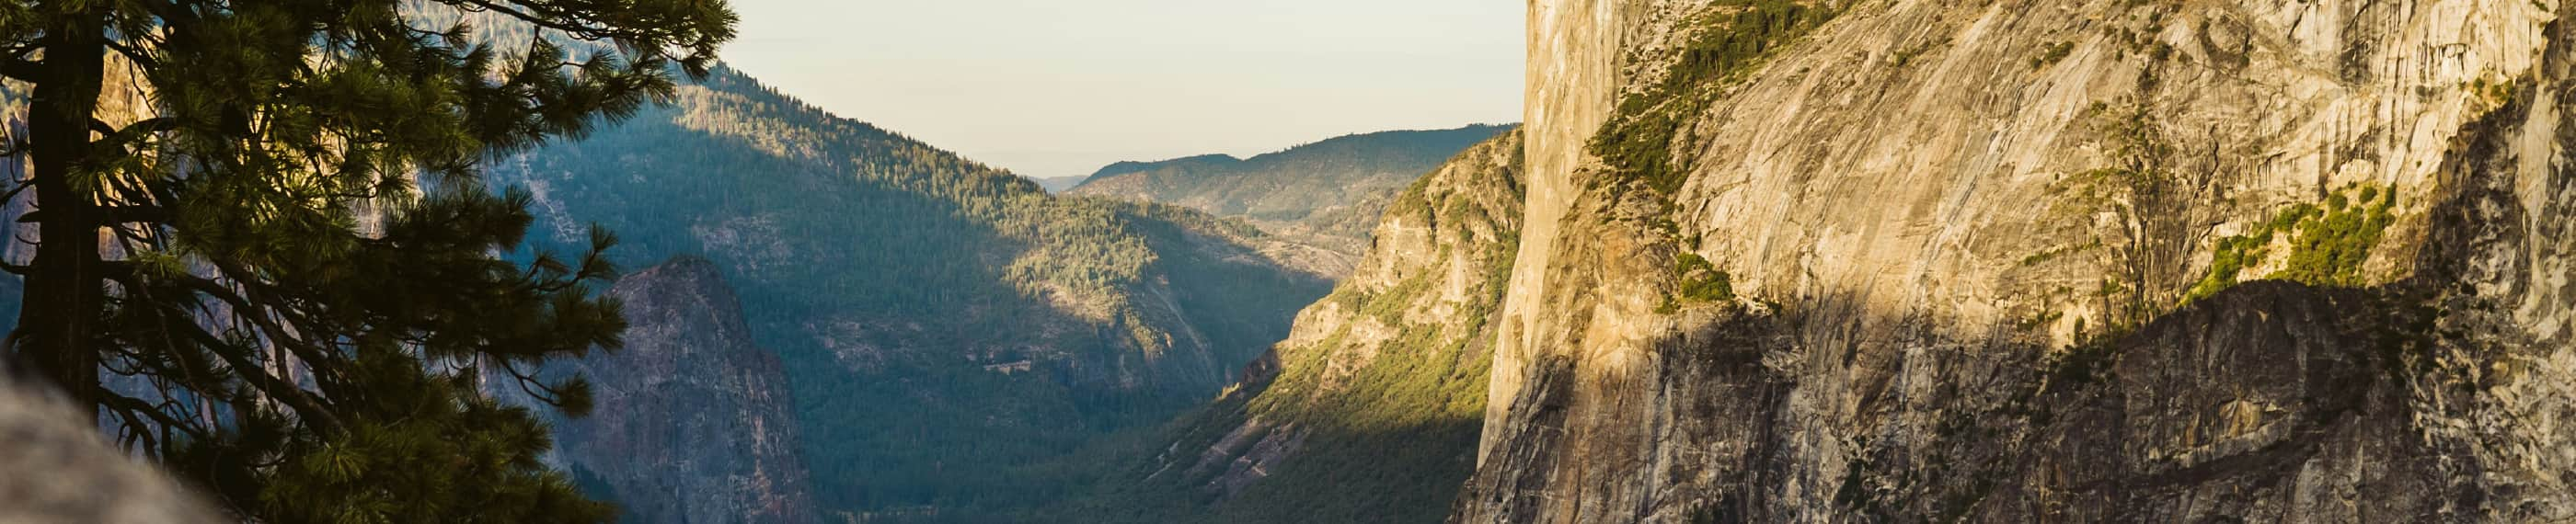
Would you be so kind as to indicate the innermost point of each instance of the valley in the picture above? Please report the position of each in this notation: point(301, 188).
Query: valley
point(952, 337)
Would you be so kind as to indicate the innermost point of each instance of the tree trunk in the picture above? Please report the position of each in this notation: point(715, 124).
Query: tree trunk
point(65, 290)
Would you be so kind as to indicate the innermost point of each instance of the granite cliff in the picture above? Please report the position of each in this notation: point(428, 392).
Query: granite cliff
point(2009, 261)
point(692, 421)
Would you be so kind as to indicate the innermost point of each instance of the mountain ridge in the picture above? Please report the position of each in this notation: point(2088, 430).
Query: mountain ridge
point(1322, 197)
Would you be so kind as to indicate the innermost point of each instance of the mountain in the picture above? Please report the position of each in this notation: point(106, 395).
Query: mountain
point(1291, 184)
point(1059, 184)
point(1369, 411)
point(943, 326)
point(1325, 195)
point(693, 422)
point(2039, 261)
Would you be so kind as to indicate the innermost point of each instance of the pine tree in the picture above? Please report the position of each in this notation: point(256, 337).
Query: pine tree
point(261, 223)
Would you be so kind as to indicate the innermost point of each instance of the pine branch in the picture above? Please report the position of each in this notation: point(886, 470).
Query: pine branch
point(531, 16)
point(111, 215)
point(312, 410)
point(129, 406)
point(21, 69)
point(133, 55)
point(257, 313)
point(549, 396)
point(132, 132)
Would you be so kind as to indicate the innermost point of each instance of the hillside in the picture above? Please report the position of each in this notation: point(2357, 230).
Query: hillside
point(942, 324)
point(1369, 411)
point(1326, 195)
point(1825, 261)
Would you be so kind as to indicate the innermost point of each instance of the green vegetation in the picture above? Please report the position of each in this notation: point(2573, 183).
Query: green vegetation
point(2328, 244)
point(2493, 94)
point(1729, 40)
point(2229, 260)
point(2051, 54)
point(265, 224)
point(2331, 246)
point(1700, 282)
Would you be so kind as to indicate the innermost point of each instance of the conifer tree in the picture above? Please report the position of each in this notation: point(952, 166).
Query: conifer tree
point(263, 252)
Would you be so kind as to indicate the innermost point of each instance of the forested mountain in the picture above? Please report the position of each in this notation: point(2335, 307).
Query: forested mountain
point(1325, 195)
point(943, 324)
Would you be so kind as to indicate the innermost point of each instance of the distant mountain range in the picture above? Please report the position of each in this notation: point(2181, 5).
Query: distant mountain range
point(1059, 184)
point(1326, 195)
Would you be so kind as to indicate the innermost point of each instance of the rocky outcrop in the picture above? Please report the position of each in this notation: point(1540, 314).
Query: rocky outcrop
point(55, 468)
point(692, 422)
point(2012, 261)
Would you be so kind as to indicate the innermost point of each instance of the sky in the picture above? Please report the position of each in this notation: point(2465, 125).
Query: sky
point(1062, 87)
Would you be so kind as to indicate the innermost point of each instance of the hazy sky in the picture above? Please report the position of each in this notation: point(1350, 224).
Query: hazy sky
point(1062, 87)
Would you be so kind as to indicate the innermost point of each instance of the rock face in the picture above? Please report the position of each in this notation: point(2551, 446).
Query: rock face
point(2015, 260)
point(692, 422)
point(54, 468)
point(1367, 413)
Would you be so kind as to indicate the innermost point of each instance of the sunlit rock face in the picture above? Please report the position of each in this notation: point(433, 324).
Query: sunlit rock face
point(1368, 411)
point(2021, 260)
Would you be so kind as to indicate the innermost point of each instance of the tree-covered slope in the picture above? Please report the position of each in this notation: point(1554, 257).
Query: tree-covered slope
point(943, 324)
point(1370, 411)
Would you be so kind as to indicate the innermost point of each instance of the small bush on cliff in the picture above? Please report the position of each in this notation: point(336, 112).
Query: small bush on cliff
point(1701, 281)
point(2328, 244)
point(2051, 54)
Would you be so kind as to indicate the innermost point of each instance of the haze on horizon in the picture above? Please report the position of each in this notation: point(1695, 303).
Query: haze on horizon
point(1052, 88)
